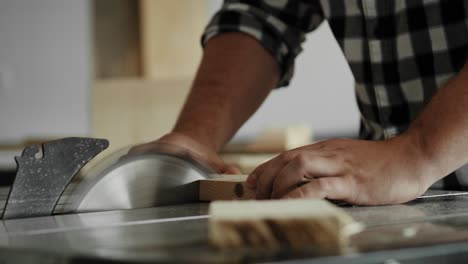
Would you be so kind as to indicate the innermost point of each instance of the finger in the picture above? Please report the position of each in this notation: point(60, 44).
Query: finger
point(290, 177)
point(253, 176)
point(335, 188)
point(316, 166)
point(251, 180)
point(268, 172)
point(303, 167)
point(266, 179)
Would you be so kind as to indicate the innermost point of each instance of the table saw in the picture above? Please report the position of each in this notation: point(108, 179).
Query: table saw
point(430, 229)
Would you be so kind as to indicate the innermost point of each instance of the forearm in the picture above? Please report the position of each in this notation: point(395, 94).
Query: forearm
point(441, 131)
point(235, 76)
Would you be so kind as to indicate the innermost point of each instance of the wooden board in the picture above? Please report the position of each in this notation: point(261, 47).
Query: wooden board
point(225, 187)
point(273, 224)
point(171, 33)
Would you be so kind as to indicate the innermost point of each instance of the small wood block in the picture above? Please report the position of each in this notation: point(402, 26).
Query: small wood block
point(273, 224)
point(225, 187)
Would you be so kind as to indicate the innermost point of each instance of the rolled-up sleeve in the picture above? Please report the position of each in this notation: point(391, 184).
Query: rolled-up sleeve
point(279, 26)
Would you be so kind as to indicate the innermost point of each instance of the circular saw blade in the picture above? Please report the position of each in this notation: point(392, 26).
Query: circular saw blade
point(147, 180)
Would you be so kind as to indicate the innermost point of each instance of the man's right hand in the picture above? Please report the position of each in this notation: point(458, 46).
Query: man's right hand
point(190, 147)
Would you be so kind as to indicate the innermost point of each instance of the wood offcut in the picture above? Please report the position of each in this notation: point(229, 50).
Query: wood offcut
point(275, 224)
point(225, 187)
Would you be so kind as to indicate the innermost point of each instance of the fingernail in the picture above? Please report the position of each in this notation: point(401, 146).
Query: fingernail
point(251, 181)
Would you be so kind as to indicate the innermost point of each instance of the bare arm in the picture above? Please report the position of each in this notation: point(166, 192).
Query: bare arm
point(250, 47)
point(235, 76)
point(441, 131)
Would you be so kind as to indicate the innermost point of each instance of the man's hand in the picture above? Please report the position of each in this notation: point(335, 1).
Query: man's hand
point(355, 171)
point(190, 147)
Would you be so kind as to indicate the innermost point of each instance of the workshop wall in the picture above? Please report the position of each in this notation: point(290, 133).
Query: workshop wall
point(44, 69)
point(46, 66)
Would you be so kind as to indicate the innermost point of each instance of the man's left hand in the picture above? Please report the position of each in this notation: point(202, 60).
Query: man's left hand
point(354, 171)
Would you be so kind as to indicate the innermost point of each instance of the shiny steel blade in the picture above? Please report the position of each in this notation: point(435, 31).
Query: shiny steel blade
point(148, 180)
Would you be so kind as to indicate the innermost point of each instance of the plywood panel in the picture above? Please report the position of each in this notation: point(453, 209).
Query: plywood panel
point(171, 33)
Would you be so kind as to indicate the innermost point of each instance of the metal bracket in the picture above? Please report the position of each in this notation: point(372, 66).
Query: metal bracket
point(44, 170)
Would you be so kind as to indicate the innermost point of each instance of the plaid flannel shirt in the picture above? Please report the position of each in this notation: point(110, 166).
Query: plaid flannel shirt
point(399, 51)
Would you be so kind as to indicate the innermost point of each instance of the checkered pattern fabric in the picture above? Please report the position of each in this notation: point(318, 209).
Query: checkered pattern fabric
point(400, 51)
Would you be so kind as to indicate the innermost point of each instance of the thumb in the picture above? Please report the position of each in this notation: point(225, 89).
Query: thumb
point(331, 188)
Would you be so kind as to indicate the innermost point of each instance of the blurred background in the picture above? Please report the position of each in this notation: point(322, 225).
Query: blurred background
point(120, 69)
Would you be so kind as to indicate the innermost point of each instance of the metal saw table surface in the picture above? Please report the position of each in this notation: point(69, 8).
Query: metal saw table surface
point(431, 229)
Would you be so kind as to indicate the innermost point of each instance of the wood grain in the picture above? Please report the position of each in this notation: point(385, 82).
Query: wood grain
point(272, 224)
point(225, 187)
point(171, 33)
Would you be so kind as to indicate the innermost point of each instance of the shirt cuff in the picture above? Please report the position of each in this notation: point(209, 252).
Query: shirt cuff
point(232, 21)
